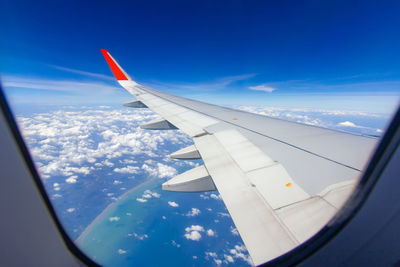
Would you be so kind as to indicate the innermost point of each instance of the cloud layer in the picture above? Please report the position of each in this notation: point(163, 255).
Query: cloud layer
point(334, 119)
point(262, 87)
point(76, 143)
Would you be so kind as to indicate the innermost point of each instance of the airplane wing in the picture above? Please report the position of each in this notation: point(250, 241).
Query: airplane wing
point(280, 181)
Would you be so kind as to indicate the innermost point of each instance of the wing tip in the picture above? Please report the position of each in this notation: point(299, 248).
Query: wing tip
point(118, 72)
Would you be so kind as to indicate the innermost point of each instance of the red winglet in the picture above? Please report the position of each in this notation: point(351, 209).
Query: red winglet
point(115, 68)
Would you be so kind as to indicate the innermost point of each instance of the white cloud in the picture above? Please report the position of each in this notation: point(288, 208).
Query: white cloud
point(203, 196)
point(128, 161)
point(164, 218)
point(347, 124)
point(82, 170)
point(149, 170)
point(108, 163)
point(218, 261)
point(262, 87)
point(193, 232)
point(85, 73)
point(210, 232)
point(193, 235)
point(165, 170)
point(224, 214)
point(193, 212)
point(121, 251)
point(303, 119)
point(117, 182)
point(114, 219)
point(195, 228)
point(240, 252)
point(140, 237)
point(127, 169)
point(296, 115)
point(38, 83)
point(173, 242)
point(173, 204)
point(346, 113)
point(211, 254)
point(56, 187)
point(141, 200)
point(72, 179)
point(159, 170)
point(234, 231)
point(229, 258)
point(61, 142)
point(156, 195)
point(214, 196)
point(149, 194)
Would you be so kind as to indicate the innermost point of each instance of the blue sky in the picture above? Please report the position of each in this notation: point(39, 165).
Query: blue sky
point(308, 54)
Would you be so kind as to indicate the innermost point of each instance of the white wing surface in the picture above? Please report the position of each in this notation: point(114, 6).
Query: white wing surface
point(280, 181)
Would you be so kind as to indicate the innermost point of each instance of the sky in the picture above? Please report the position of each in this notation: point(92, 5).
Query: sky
point(298, 54)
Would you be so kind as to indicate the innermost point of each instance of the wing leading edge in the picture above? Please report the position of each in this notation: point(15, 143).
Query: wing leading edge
point(280, 181)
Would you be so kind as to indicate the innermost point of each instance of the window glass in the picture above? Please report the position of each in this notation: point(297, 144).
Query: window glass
point(328, 65)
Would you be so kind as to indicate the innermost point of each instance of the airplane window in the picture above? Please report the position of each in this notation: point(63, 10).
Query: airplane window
point(298, 98)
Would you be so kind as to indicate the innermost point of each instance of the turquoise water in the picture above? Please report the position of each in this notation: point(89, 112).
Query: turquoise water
point(132, 233)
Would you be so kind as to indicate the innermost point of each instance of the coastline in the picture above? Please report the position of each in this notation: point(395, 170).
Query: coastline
point(111, 205)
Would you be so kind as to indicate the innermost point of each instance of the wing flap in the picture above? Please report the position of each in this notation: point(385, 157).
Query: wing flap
point(189, 152)
point(158, 124)
point(194, 180)
point(304, 219)
point(261, 230)
point(276, 186)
